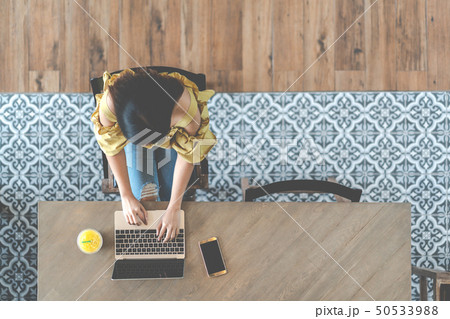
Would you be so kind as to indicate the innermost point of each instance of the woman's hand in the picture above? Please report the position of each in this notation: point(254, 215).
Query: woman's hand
point(132, 209)
point(169, 222)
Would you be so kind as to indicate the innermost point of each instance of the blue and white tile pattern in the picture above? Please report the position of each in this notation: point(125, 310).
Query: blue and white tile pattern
point(395, 146)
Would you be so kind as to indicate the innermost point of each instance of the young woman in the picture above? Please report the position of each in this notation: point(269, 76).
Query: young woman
point(165, 117)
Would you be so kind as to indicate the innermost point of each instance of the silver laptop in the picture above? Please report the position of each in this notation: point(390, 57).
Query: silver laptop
point(140, 256)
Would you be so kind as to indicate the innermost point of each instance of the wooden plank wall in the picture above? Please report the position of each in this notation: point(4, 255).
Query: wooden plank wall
point(249, 45)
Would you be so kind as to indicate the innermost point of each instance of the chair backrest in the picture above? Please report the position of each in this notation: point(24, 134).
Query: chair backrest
point(198, 78)
point(303, 186)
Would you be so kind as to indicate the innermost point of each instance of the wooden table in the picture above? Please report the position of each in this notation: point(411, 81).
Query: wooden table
point(269, 256)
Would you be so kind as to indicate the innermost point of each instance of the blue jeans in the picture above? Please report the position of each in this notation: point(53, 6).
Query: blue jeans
point(150, 171)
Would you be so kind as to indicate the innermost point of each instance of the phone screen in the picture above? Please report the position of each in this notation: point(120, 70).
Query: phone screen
point(212, 256)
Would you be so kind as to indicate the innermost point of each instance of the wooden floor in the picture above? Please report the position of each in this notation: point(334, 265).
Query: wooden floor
point(250, 45)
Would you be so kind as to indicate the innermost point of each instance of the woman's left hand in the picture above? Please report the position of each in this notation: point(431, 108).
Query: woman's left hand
point(169, 222)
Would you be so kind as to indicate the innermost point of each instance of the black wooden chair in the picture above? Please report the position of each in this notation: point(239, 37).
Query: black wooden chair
point(109, 184)
point(250, 193)
point(441, 283)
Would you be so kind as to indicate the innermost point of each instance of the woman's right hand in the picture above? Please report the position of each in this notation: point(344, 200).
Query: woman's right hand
point(133, 211)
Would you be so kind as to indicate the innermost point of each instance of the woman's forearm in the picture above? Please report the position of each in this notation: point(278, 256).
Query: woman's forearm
point(181, 175)
point(118, 164)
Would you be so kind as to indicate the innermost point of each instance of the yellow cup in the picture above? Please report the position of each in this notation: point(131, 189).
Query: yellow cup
point(89, 241)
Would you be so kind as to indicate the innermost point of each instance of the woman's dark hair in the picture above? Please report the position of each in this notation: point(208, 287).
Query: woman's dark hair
point(144, 100)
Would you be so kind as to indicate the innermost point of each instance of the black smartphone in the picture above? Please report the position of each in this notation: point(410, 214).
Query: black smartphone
point(212, 257)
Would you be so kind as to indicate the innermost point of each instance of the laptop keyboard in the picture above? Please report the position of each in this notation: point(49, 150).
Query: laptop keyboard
point(131, 242)
point(146, 268)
